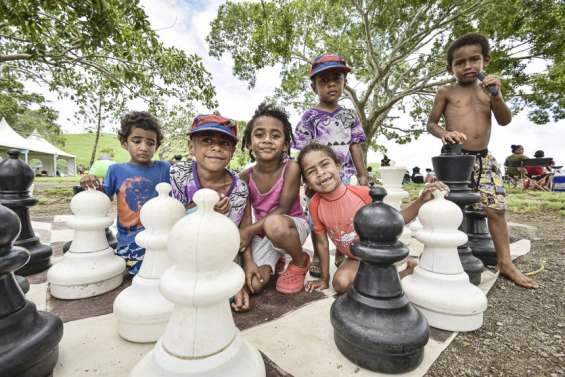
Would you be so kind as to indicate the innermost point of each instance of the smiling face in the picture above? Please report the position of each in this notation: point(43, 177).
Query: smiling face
point(329, 85)
point(212, 150)
point(267, 139)
point(321, 171)
point(141, 145)
point(468, 61)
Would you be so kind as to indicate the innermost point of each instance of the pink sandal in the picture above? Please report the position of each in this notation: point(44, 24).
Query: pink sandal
point(292, 280)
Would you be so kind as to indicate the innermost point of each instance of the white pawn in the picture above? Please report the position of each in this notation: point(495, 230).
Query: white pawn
point(201, 338)
point(90, 267)
point(141, 309)
point(439, 287)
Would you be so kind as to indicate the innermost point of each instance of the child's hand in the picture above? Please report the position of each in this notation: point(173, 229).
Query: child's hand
point(223, 206)
point(426, 193)
point(488, 81)
point(363, 180)
point(241, 301)
point(454, 137)
point(89, 181)
point(251, 270)
point(310, 286)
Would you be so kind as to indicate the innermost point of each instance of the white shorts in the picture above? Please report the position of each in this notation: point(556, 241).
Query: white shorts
point(266, 254)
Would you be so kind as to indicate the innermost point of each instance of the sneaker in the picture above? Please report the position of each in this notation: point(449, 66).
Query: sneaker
point(315, 270)
point(292, 280)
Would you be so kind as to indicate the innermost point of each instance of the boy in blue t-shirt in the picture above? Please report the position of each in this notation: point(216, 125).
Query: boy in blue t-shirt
point(133, 182)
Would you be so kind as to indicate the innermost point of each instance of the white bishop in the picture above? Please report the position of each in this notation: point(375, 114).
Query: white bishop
point(201, 338)
point(141, 309)
point(439, 287)
point(90, 267)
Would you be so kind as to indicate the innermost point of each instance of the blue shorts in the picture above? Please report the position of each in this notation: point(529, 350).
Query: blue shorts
point(133, 255)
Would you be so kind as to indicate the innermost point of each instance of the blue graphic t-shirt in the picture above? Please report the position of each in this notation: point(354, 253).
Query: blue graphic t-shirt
point(133, 185)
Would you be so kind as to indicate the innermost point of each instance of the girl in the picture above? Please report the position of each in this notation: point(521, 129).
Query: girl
point(274, 183)
point(332, 209)
point(212, 143)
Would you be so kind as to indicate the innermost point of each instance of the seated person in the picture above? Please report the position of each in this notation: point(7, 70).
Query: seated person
point(540, 173)
point(514, 172)
point(430, 176)
point(417, 177)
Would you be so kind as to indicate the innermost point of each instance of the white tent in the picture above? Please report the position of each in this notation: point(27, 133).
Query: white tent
point(36, 147)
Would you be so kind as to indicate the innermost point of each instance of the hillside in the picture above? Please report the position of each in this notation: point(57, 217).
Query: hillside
point(81, 146)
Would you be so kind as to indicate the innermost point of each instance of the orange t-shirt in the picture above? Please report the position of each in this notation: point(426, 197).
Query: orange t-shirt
point(335, 212)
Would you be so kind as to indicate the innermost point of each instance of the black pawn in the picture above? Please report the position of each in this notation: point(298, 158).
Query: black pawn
point(454, 169)
point(16, 178)
point(29, 341)
point(480, 241)
point(112, 241)
point(374, 324)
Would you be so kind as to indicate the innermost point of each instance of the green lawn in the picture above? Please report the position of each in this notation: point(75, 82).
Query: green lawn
point(81, 146)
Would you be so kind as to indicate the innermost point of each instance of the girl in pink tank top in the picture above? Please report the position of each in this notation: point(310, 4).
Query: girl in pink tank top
point(280, 227)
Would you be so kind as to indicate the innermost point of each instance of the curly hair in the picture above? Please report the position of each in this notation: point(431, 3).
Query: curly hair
point(466, 40)
point(316, 147)
point(139, 119)
point(268, 110)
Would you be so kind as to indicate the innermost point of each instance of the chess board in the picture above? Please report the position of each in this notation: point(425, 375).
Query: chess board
point(292, 332)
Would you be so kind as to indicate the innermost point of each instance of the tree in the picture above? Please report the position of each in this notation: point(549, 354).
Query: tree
point(44, 120)
point(396, 49)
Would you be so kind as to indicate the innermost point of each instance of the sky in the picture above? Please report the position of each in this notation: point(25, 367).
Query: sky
point(185, 25)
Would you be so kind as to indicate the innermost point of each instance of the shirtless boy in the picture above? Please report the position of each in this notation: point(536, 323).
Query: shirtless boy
point(466, 107)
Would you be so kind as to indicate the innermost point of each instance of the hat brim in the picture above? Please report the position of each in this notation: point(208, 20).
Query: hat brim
point(213, 128)
point(326, 67)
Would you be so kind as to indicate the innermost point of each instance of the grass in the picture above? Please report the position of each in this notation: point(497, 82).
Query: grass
point(518, 201)
point(81, 146)
point(57, 179)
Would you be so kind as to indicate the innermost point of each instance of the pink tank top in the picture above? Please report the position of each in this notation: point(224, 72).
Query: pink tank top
point(263, 204)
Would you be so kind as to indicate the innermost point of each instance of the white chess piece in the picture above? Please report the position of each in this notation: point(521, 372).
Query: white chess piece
point(141, 309)
point(201, 338)
point(439, 287)
point(90, 267)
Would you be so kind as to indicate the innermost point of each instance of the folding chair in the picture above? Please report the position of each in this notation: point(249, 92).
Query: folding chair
point(539, 181)
point(512, 178)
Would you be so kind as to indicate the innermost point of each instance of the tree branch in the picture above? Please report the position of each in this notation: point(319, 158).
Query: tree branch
point(14, 57)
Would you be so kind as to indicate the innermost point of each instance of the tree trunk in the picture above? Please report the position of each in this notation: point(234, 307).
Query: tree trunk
point(98, 126)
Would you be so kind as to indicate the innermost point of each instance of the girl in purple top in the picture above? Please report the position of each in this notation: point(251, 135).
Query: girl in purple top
point(280, 228)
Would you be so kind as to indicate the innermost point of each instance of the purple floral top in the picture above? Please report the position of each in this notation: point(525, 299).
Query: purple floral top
point(185, 183)
point(338, 129)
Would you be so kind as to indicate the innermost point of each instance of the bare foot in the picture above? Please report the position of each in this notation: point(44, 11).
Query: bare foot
point(410, 266)
point(510, 272)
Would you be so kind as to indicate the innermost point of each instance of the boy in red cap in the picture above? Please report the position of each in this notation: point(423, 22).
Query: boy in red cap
point(330, 124)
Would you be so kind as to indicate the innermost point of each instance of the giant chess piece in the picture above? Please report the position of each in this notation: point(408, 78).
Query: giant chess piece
point(29, 340)
point(439, 287)
point(201, 338)
point(141, 309)
point(112, 241)
point(455, 168)
point(374, 324)
point(480, 242)
point(16, 178)
point(90, 268)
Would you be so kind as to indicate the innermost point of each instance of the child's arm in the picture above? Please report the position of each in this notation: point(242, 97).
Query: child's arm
point(501, 112)
point(447, 137)
point(409, 213)
point(323, 248)
point(358, 161)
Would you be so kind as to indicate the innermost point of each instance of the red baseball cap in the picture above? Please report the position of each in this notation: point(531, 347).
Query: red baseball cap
point(328, 61)
point(214, 123)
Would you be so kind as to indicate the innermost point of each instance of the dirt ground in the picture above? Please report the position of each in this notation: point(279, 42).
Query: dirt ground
point(524, 330)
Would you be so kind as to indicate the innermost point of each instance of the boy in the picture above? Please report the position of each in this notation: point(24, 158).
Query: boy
point(330, 124)
point(466, 107)
point(133, 182)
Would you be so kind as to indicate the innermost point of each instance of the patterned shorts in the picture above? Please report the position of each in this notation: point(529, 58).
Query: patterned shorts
point(133, 255)
point(487, 179)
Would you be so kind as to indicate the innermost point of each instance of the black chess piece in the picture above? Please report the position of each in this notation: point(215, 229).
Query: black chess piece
point(22, 283)
point(29, 341)
point(16, 178)
point(454, 169)
point(480, 241)
point(374, 324)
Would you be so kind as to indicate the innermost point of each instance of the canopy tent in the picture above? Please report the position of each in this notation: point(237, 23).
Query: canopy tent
point(36, 147)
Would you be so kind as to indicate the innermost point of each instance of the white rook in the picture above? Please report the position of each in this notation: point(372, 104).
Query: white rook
point(392, 182)
point(90, 267)
point(141, 310)
point(439, 287)
point(201, 338)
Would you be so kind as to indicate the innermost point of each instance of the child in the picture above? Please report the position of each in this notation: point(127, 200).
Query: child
point(333, 208)
point(280, 227)
point(133, 182)
point(330, 124)
point(466, 107)
point(212, 142)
